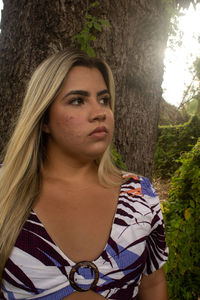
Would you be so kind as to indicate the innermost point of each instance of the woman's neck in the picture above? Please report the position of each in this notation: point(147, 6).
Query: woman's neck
point(70, 171)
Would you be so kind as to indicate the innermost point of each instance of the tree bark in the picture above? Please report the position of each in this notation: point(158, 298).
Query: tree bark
point(133, 47)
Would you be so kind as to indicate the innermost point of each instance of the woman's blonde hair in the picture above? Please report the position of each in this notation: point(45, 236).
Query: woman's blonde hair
point(20, 174)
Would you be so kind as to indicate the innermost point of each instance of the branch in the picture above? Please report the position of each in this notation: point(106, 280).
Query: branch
point(183, 101)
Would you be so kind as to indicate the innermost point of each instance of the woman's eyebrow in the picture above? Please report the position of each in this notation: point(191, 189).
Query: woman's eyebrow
point(85, 93)
point(77, 92)
point(103, 92)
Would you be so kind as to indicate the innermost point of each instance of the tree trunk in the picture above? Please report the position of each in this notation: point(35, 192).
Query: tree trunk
point(134, 48)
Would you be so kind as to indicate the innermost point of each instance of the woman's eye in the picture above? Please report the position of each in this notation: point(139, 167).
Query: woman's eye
point(76, 101)
point(105, 100)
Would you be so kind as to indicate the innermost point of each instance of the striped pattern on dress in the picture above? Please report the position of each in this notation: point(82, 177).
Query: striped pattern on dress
point(38, 269)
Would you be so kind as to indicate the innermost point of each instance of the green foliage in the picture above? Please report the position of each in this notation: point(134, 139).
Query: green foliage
point(182, 219)
point(172, 142)
point(86, 36)
point(192, 107)
point(178, 4)
point(118, 159)
point(173, 10)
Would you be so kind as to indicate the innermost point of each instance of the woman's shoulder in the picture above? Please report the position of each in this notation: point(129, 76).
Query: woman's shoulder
point(137, 185)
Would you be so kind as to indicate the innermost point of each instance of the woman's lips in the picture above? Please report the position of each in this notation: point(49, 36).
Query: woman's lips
point(99, 132)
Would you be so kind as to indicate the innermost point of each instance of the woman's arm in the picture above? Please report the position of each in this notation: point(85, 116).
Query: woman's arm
point(153, 287)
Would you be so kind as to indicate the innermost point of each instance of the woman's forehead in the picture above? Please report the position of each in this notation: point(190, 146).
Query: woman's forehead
point(84, 77)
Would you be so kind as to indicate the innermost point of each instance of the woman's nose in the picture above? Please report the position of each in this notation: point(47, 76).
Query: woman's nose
point(97, 113)
point(100, 117)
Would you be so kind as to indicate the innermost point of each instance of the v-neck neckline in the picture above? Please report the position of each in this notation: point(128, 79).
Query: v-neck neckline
point(95, 261)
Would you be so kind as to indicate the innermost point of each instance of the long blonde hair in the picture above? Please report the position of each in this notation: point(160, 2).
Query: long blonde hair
point(20, 174)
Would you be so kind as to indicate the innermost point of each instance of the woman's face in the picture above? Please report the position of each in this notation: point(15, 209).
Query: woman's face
point(81, 123)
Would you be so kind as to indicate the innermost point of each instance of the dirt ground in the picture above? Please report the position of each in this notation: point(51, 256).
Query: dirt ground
point(162, 187)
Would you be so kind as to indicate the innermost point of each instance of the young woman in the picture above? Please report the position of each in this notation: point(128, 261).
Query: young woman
point(72, 225)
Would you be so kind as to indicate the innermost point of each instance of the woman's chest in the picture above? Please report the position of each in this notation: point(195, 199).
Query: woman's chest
point(79, 223)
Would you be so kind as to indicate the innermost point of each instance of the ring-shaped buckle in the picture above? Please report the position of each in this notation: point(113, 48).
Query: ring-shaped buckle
point(84, 264)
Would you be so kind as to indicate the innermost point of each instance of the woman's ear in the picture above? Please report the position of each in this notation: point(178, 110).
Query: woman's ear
point(45, 128)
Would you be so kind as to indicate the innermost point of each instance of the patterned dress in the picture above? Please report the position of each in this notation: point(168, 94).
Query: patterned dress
point(38, 269)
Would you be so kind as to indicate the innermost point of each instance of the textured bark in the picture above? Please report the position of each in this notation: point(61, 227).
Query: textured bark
point(135, 50)
point(133, 47)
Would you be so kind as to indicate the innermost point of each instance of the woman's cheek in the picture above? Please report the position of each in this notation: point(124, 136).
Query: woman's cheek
point(71, 121)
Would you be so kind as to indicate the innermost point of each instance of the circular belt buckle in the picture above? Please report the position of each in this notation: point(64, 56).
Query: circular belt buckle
point(85, 264)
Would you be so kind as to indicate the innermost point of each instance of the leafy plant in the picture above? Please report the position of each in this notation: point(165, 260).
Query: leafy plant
point(182, 219)
point(118, 159)
point(172, 142)
point(91, 25)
